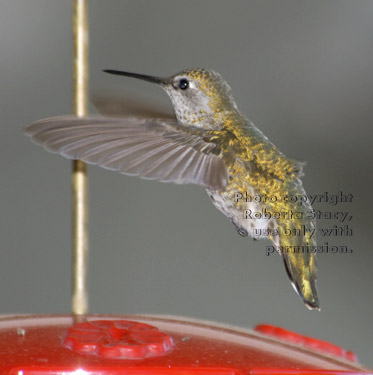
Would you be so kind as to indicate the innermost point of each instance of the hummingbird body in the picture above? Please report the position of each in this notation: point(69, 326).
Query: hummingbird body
point(212, 144)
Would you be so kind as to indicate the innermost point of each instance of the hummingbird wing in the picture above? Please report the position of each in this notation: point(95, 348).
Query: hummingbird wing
point(149, 148)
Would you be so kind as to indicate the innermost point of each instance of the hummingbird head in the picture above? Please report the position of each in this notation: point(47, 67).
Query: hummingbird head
point(199, 96)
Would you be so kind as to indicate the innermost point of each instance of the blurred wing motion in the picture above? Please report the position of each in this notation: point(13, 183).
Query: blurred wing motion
point(149, 148)
point(128, 106)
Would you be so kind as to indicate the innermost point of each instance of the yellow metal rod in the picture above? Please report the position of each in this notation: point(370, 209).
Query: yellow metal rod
point(79, 176)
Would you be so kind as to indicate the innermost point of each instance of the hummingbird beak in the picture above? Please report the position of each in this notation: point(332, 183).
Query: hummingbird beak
point(158, 81)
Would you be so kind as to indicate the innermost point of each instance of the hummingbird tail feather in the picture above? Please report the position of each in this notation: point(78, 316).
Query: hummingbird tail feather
point(298, 250)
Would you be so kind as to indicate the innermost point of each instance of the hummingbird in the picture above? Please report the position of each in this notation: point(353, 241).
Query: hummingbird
point(210, 143)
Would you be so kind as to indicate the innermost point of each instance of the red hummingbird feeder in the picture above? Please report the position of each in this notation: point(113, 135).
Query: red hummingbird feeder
point(83, 344)
point(149, 345)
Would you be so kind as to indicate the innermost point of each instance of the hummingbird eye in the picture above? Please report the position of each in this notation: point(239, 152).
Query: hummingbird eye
point(183, 84)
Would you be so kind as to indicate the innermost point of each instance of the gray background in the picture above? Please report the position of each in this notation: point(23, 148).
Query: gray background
point(301, 70)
